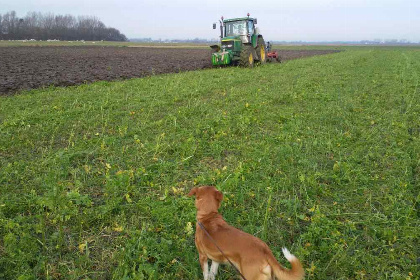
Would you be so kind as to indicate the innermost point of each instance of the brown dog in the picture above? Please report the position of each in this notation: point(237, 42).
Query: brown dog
point(249, 254)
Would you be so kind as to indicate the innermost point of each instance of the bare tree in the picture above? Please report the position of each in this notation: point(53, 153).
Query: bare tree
point(49, 26)
point(1, 27)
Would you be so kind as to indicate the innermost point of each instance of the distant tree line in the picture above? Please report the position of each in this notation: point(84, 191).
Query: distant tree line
point(40, 26)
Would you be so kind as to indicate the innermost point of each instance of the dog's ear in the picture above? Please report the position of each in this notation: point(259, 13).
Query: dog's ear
point(192, 192)
point(219, 196)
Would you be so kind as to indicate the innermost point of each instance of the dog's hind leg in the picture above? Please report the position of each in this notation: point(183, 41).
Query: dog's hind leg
point(266, 273)
point(213, 270)
point(253, 272)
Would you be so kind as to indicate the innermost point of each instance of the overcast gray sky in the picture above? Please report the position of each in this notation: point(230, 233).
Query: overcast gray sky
point(289, 20)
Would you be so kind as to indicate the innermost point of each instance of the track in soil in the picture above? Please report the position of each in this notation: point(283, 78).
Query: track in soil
point(24, 68)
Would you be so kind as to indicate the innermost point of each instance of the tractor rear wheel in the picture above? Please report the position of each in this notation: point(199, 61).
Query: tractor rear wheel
point(247, 56)
point(261, 51)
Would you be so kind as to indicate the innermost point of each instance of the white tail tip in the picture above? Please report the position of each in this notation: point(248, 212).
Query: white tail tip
point(288, 255)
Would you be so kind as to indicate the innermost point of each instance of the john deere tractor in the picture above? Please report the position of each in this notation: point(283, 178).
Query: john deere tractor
point(241, 44)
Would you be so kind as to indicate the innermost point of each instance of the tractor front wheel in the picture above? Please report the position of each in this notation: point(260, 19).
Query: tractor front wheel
point(261, 51)
point(247, 57)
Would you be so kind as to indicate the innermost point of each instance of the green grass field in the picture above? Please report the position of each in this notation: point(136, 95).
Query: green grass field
point(320, 155)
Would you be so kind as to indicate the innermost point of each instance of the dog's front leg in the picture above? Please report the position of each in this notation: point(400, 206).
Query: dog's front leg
point(213, 270)
point(204, 265)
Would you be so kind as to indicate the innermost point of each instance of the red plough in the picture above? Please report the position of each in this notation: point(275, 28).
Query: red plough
point(272, 55)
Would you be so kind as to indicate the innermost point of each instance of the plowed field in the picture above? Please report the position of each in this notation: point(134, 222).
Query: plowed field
point(23, 68)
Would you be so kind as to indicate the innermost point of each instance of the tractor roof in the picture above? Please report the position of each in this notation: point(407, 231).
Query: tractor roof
point(237, 19)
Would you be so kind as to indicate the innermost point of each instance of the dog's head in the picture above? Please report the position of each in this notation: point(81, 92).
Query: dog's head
point(207, 198)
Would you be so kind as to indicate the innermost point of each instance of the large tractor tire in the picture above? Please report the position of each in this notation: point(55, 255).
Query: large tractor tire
point(261, 51)
point(247, 56)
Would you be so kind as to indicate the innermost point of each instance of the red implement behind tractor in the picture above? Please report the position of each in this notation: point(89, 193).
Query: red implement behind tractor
point(272, 55)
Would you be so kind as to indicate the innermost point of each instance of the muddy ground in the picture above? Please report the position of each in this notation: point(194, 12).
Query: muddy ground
point(23, 68)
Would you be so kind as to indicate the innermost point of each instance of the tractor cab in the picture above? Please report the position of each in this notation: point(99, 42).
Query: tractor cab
point(242, 28)
point(239, 28)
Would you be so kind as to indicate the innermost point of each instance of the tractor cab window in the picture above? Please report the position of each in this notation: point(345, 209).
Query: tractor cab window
point(251, 27)
point(235, 28)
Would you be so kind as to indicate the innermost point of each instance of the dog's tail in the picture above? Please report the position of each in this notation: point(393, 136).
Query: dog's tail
point(296, 273)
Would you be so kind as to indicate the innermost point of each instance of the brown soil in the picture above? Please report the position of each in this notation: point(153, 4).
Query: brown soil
point(23, 68)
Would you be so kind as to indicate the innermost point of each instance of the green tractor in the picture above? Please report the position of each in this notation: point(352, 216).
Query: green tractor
point(241, 43)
